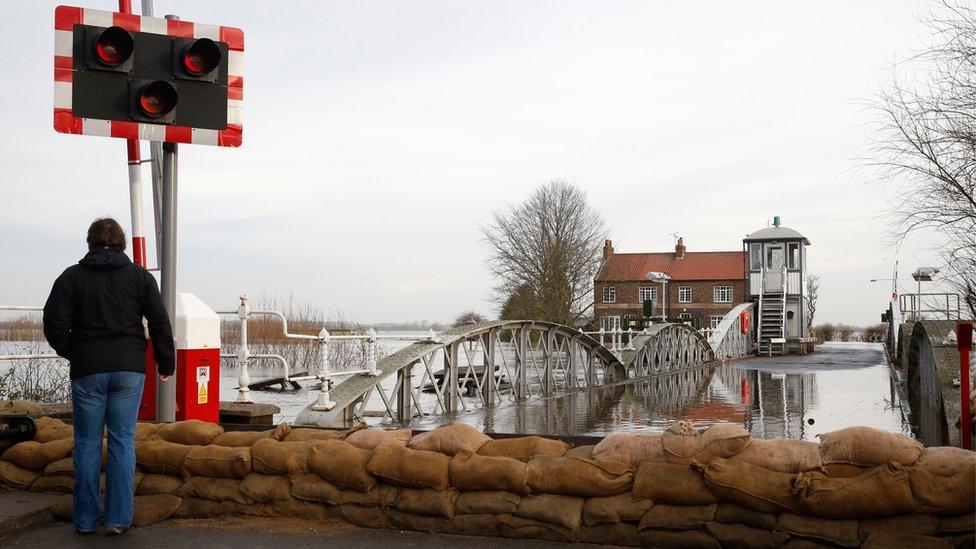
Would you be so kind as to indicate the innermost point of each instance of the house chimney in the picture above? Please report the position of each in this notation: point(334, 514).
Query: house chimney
point(679, 248)
point(607, 249)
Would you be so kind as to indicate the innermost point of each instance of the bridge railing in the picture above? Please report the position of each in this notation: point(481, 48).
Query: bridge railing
point(28, 356)
point(728, 339)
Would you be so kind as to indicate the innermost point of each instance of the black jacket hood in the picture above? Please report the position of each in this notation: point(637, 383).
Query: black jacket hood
point(104, 259)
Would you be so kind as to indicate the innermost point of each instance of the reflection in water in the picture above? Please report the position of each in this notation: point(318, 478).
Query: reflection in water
point(770, 397)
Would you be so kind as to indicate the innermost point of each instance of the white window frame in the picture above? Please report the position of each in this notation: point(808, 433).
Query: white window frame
point(715, 320)
point(684, 294)
point(723, 294)
point(792, 258)
point(647, 292)
point(609, 294)
point(684, 316)
point(755, 256)
point(610, 323)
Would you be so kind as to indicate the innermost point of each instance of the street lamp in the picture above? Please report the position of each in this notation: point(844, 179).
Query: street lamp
point(922, 274)
point(663, 278)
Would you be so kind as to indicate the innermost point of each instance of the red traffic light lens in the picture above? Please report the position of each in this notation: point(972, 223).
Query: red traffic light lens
point(157, 98)
point(201, 56)
point(113, 46)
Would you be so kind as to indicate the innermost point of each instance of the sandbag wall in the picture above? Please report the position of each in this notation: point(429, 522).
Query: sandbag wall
point(686, 488)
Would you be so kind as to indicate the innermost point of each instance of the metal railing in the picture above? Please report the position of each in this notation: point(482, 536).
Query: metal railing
point(33, 356)
point(934, 306)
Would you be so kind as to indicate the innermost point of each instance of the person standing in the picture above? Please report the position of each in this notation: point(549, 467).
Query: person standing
point(93, 318)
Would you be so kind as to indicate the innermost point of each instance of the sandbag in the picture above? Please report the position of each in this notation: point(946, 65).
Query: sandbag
point(565, 511)
point(511, 526)
point(58, 484)
point(682, 444)
point(677, 517)
point(632, 448)
point(740, 536)
point(304, 434)
point(49, 428)
point(782, 455)
point(960, 524)
point(473, 472)
point(523, 448)
point(18, 406)
point(921, 525)
point(341, 464)
point(216, 489)
point(35, 456)
point(578, 477)
point(369, 439)
point(296, 509)
point(366, 517)
point(450, 439)
point(153, 484)
point(219, 461)
point(311, 487)
point(840, 532)
point(64, 466)
point(953, 495)
point(191, 432)
point(402, 466)
point(270, 457)
point(886, 540)
point(868, 447)
point(381, 495)
point(240, 439)
point(62, 510)
point(425, 501)
point(159, 456)
point(881, 492)
point(152, 509)
point(471, 525)
point(946, 461)
point(613, 509)
point(146, 430)
point(17, 477)
point(730, 513)
point(843, 470)
point(404, 520)
point(672, 484)
point(750, 486)
point(196, 508)
point(578, 452)
point(494, 503)
point(677, 539)
point(618, 533)
point(265, 488)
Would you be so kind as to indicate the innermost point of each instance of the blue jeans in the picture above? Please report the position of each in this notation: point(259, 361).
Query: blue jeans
point(98, 400)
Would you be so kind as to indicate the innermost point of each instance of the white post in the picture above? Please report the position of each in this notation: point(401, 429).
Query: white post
point(324, 402)
point(601, 334)
point(630, 339)
point(243, 355)
point(371, 353)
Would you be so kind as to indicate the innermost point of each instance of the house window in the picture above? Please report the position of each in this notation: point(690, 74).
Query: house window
point(722, 294)
point(684, 317)
point(715, 320)
point(755, 256)
point(610, 323)
point(630, 321)
point(684, 294)
point(609, 294)
point(793, 255)
point(645, 293)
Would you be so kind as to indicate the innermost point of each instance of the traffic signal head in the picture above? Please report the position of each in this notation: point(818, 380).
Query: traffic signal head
point(128, 76)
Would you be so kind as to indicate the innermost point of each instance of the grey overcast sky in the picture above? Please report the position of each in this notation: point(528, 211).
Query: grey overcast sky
point(380, 134)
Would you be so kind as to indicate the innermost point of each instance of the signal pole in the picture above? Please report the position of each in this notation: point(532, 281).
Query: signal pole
point(166, 390)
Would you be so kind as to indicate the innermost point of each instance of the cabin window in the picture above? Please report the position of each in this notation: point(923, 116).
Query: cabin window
point(647, 293)
point(793, 255)
point(684, 294)
point(774, 257)
point(609, 294)
point(755, 256)
point(722, 294)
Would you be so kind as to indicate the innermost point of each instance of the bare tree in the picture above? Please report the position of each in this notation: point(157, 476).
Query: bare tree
point(813, 288)
point(551, 245)
point(468, 317)
point(826, 332)
point(924, 146)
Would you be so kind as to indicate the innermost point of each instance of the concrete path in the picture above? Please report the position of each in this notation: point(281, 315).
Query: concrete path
point(829, 356)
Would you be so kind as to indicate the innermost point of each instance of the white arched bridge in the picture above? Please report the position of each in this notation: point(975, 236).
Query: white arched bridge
point(492, 363)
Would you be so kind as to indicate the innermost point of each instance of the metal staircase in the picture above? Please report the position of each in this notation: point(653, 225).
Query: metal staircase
point(772, 319)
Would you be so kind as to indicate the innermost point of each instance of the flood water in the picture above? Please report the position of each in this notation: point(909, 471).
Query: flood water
point(839, 385)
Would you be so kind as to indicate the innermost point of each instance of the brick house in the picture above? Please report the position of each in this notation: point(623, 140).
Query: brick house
point(703, 286)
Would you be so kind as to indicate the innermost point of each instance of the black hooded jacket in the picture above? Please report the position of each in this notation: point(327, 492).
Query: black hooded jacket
point(94, 314)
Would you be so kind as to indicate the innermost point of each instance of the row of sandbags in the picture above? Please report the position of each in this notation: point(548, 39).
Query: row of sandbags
point(376, 477)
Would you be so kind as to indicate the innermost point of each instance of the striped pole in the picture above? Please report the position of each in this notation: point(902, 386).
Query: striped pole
point(135, 184)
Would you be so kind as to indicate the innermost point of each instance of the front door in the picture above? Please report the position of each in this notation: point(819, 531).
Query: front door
point(775, 261)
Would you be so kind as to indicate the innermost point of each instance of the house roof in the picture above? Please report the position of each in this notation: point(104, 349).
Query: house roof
point(694, 266)
point(776, 233)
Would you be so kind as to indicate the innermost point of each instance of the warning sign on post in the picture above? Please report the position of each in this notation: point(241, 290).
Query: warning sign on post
point(203, 378)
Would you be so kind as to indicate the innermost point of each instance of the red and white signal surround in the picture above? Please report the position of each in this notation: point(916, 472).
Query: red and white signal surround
point(113, 51)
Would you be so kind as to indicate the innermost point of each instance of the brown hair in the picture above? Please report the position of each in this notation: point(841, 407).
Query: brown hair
point(106, 232)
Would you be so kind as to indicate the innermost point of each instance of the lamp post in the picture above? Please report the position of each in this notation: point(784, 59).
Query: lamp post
point(663, 278)
point(926, 274)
